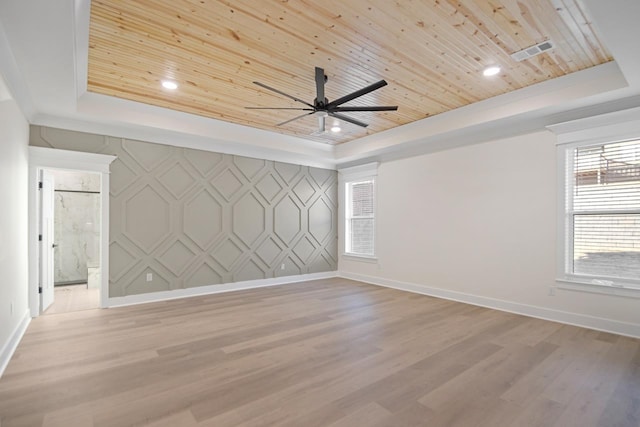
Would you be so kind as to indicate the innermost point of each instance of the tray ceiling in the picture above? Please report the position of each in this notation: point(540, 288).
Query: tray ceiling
point(431, 53)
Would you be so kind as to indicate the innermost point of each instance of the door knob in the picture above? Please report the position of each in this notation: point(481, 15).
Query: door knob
point(55, 245)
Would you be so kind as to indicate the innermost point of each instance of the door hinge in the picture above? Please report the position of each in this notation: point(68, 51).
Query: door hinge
point(39, 237)
point(40, 185)
point(39, 289)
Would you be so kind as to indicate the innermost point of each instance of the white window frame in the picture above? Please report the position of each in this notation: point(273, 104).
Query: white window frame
point(606, 129)
point(347, 177)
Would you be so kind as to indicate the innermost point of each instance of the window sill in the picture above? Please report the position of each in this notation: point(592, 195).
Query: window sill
point(622, 290)
point(360, 258)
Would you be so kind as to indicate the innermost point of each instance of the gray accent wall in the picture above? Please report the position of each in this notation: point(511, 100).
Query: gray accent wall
point(196, 218)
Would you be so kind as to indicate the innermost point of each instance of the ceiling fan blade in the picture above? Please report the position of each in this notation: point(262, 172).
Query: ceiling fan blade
point(295, 118)
point(278, 108)
point(283, 94)
point(320, 85)
point(348, 119)
point(376, 108)
point(357, 94)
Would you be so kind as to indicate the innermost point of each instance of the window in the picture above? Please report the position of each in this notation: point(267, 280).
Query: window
point(601, 218)
point(359, 186)
point(360, 219)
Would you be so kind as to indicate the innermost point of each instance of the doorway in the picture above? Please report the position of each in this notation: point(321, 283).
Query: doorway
point(83, 259)
point(76, 239)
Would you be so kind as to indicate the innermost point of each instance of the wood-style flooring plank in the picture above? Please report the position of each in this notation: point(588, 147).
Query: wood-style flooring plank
point(329, 352)
point(74, 298)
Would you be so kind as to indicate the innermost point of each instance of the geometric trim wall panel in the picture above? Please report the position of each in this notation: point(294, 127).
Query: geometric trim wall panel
point(177, 180)
point(320, 176)
point(140, 285)
point(149, 156)
point(147, 219)
point(331, 194)
point(248, 219)
point(202, 218)
point(287, 171)
point(250, 270)
point(269, 250)
point(196, 218)
point(291, 267)
point(321, 263)
point(287, 222)
point(304, 248)
point(320, 221)
point(248, 166)
point(228, 184)
point(203, 275)
point(122, 176)
point(330, 249)
point(177, 257)
point(304, 190)
point(227, 254)
point(269, 187)
point(203, 162)
point(120, 260)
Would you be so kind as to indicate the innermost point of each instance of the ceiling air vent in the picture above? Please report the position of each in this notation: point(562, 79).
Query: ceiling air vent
point(532, 51)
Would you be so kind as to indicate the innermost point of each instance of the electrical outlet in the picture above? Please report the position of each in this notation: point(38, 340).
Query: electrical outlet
point(282, 267)
point(149, 277)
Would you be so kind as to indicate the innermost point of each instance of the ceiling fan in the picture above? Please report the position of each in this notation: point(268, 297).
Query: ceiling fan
point(321, 106)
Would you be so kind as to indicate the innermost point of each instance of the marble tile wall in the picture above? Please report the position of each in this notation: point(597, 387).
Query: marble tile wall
point(77, 225)
point(76, 181)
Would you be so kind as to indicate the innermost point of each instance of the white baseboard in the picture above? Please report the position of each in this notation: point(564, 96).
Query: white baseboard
point(215, 289)
point(575, 319)
point(12, 343)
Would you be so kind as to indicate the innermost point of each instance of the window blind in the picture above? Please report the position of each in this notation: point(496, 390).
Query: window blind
point(604, 210)
point(361, 217)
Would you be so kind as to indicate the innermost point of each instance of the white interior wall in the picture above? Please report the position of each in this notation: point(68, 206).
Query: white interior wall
point(14, 314)
point(478, 224)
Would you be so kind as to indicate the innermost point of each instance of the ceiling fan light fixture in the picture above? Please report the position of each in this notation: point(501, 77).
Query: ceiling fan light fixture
point(491, 71)
point(168, 84)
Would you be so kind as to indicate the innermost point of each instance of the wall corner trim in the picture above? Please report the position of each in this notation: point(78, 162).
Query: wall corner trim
point(215, 289)
point(12, 343)
point(574, 319)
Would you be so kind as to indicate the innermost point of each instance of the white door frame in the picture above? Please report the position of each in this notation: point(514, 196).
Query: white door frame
point(46, 230)
point(50, 158)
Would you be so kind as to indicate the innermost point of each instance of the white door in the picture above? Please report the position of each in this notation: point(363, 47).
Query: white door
point(47, 245)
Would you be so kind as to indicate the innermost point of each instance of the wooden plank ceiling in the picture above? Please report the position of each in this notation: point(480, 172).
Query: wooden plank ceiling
point(431, 53)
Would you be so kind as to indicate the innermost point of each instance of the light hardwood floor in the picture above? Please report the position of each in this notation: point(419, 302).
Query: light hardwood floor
point(324, 353)
point(74, 298)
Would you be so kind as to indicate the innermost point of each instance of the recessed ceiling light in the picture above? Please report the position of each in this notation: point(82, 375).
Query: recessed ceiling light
point(167, 84)
point(491, 71)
